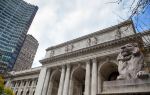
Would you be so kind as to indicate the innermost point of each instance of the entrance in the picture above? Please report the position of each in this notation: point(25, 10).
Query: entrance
point(78, 81)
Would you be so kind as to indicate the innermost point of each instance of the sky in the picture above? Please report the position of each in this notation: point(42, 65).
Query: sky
point(58, 21)
point(142, 20)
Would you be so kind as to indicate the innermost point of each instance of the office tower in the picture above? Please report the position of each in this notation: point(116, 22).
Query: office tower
point(27, 53)
point(15, 19)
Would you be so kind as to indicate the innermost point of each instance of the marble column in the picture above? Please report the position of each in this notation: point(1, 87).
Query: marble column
point(61, 83)
point(99, 82)
point(41, 80)
point(66, 83)
point(45, 87)
point(87, 78)
point(94, 77)
point(50, 87)
point(71, 87)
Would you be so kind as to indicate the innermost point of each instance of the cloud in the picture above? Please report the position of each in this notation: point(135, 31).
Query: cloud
point(58, 21)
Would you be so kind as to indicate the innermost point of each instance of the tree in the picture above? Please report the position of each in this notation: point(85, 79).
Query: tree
point(5, 90)
point(8, 91)
point(139, 12)
point(1, 85)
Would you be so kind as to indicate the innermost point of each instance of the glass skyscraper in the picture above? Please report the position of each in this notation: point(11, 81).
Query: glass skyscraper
point(15, 19)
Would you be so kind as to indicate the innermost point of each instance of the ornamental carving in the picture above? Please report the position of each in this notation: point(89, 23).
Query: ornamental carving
point(131, 62)
point(118, 34)
point(69, 48)
point(92, 41)
point(52, 53)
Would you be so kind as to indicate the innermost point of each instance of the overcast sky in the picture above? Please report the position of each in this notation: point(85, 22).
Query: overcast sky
point(58, 21)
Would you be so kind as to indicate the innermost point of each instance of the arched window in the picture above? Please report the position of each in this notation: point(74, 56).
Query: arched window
point(33, 92)
point(19, 83)
point(21, 93)
point(30, 83)
point(27, 92)
point(24, 83)
point(109, 71)
point(16, 93)
point(36, 82)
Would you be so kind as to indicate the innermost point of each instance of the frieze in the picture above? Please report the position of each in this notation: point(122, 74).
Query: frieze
point(52, 53)
point(69, 48)
point(131, 38)
point(123, 24)
point(92, 41)
point(118, 34)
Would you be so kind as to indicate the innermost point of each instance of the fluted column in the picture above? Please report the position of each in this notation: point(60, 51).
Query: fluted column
point(62, 78)
point(41, 80)
point(71, 87)
point(87, 78)
point(66, 83)
point(45, 87)
point(49, 92)
point(94, 77)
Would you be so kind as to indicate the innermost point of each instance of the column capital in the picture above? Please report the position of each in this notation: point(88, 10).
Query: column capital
point(94, 60)
point(44, 68)
point(88, 61)
point(63, 66)
point(68, 66)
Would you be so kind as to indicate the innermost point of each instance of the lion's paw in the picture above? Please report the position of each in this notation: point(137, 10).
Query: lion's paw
point(121, 77)
point(142, 75)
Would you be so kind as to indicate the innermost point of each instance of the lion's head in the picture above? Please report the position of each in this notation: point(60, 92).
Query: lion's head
point(128, 50)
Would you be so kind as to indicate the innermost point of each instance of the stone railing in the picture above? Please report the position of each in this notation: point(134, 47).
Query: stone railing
point(122, 87)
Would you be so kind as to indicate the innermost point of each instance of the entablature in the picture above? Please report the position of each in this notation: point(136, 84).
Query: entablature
point(115, 32)
point(97, 48)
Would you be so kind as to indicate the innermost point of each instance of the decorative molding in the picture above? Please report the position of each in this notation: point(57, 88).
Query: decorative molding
point(52, 53)
point(118, 34)
point(92, 41)
point(128, 22)
point(118, 42)
point(88, 42)
point(69, 48)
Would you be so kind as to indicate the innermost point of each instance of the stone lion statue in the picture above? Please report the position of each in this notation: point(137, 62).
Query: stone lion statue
point(131, 62)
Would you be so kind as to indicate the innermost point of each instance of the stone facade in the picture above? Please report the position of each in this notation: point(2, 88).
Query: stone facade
point(86, 65)
point(23, 82)
point(26, 56)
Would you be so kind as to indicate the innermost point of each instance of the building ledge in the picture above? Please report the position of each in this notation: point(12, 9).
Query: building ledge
point(124, 87)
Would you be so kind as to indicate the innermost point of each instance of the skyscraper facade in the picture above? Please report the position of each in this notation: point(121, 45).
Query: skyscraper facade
point(15, 19)
point(27, 53)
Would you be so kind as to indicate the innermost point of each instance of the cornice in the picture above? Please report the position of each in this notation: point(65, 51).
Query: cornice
point(24, 73)
point(132, 38)
point(92, 34)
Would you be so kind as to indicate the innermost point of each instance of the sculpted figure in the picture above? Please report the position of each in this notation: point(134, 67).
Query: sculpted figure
point(131, 62)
